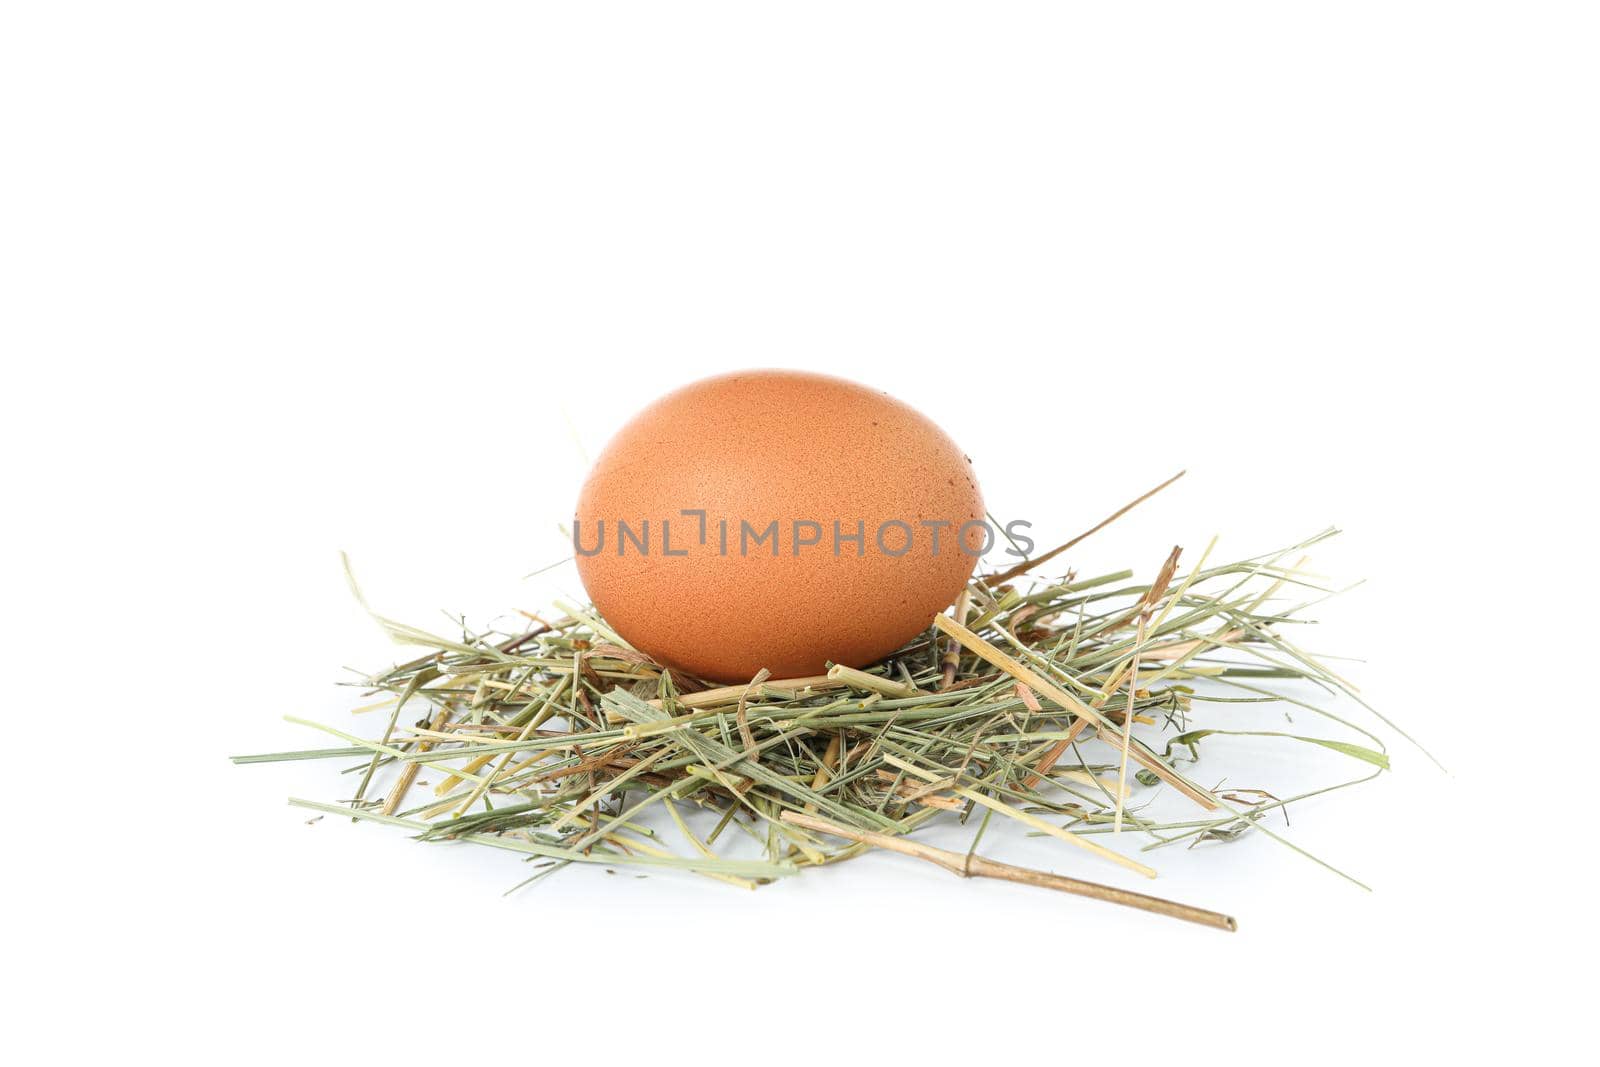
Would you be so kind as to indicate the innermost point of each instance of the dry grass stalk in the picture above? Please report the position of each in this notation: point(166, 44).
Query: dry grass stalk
point(968, 865)
point(1030, 564)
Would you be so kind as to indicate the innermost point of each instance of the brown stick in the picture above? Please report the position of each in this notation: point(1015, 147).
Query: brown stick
point(969, 866)
point(1042, 685)
point(1044, 766)
point(611, 758)
point(950, 662)
point(408, 773)
point(1028, 564)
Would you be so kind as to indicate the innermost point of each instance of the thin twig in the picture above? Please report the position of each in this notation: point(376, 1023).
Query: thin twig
point(1028, 564)
point(969, 865)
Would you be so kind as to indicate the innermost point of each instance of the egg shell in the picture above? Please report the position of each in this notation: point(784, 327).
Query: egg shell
point(750, 448)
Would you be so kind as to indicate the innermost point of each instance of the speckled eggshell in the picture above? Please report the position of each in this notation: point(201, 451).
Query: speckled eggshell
point(754, 447)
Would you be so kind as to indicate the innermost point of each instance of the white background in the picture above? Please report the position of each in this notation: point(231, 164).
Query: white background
point(279, 280)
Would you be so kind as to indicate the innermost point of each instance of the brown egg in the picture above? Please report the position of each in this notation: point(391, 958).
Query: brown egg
point(776, 519)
